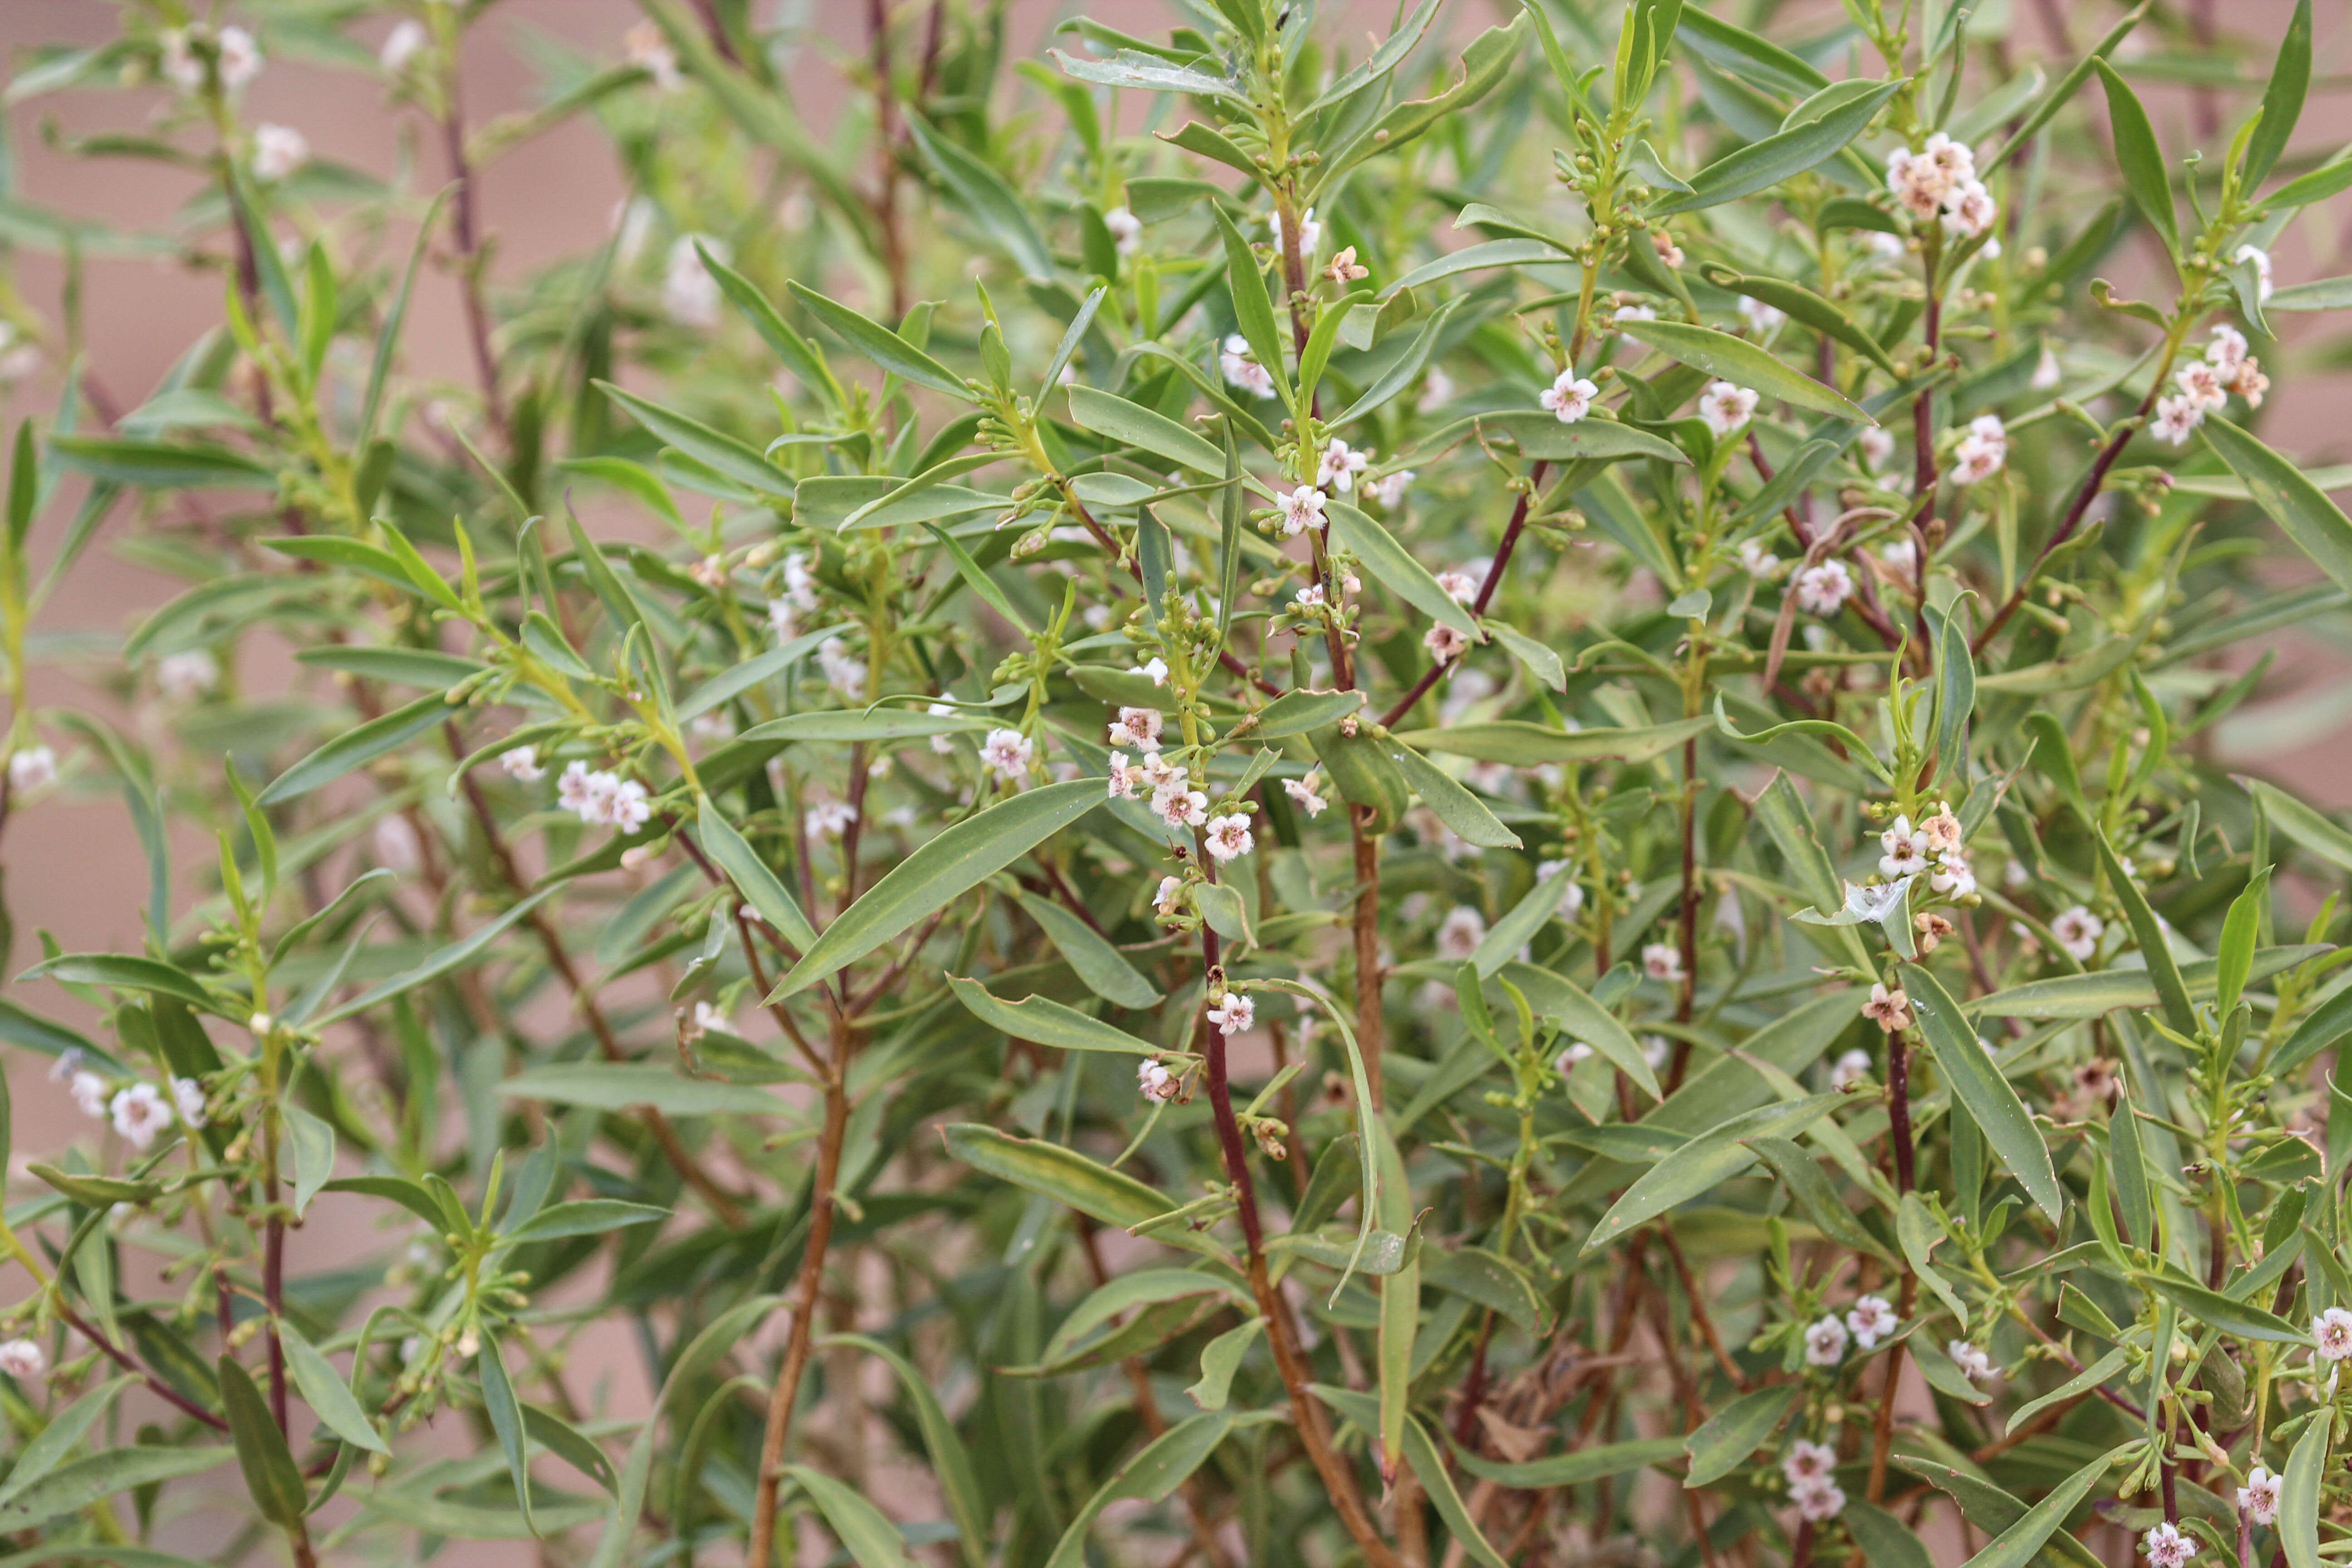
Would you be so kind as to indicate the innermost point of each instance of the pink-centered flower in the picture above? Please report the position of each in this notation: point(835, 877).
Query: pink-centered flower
point(2259, 1498)
point(1890, 1010)
point(2167, 1548)
point(1303, 795)
point(2078, 931)
point(2331, 1333)
point(1662, 961)
point(1825, 1342)
point(1444, 644)
point(1461, 932)
point(1235, 1013)
point(1302, 508)
point(1823, 588)
point(1807, 1461)
point(1872, 1319)
point(1007, 753)
point(1228, 837)
point(1727, 407)
point(1569, 397)
point(1974, 1363)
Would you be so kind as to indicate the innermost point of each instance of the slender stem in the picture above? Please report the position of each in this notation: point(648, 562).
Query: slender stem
point(786, 1392)
point(1511, 532)
point(466, 224)
point(1898, 1122)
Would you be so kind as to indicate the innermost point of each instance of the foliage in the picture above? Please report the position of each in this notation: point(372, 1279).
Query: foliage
point(1538, 702)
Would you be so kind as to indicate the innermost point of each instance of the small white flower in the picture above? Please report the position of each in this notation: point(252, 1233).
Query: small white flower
point(1137, 726)
point(1007, 753)
point(1228, 837)
point(1906, 851)
point(2259, 1498)
point(240, 58)
point(1566, 1062)
point(1170, 900)
point(1662, 961)
point(1459, 934)
point(1656, 1051)
point(1902, 556)
point(1126, 229)
point(2167, 1547)
point(1337, 468)
point(1460, 586)
point(1890, 1010)
point(139, 1113)
point(1757, 562)
point(1155, 1082)
point(403, 44)
point(629, 809)
point(22, 1357)
point(1823, 588)
point(397, 847)
point(2047, 372)
point(32, 768)
point(1303, 792)
point(1851, 1068)
point(1310, 233)
point(1569, 397)
point(2227, 347)
point(1235, 1013)
point(1872, 1319)
point(2332, 1331)
point(1818, 1500)
point(2202, 383)
point(2175, 419)
point(828, 818)
point(1970, 211)
point(1726, 408)
point(800, 582)
point(1635, 313)
point(2262, 260)
point(1302, 508)
point(1807, 1461)
point(188, 1098)
point(1178, 806)
point(1825, 1342)
point(1154, 666)
point(1389, 488)
point(1241, 371)
point(1974, 1363)
point(2078, 931)
point(1953, 877)
point(1444, 644)
point(650, 52)
point(1760, 317)
point(188, 674)
point(708, 1017)
point(278, 150)
point(691, 295)
point(89, 1091)
point(1877, 444)
point(522, 764)
point(1123, 778)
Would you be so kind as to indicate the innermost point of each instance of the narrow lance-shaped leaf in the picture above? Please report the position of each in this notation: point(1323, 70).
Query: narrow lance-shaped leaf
point(1976, 1082)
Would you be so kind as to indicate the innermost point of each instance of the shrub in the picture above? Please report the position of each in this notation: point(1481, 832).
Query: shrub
point(1458, 808)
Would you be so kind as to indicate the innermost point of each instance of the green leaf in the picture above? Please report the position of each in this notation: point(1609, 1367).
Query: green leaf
point(1992, 1510)
point(2104, 991)
point(1762, 164)
point(1106, 414)
point(2021, 1543)
point(983, 192)
point(1976, 1083)
point(505, 1412)
point(1065, 1177)
point(1729, 1436)
point(1487, 1278)
point(1154, 1472)
point(1577, 1466)
point(2148, 933)
point(48, 1448)
point(2282, 99)
point(760, 887)
point(1804, 306)
point(1220, 1359)
point(584, 1217)
point(2301, 509)
point(1526, 745)
point(1885, 1541)
point(951, 1466)
point(261, 1453)
point(1456, 806)
point(2217, 1311)
point(161, 465)
point(311, 1142)
point(454, 957)
point(2330, 179)
point(328, 1395)
point(1299, 711)
point(1253, 306)
point(2145, 176)
point(1485, 63)
point(880, 344)
point(714, 449)
point(72, 1488)
point(1560, 1000)
point(1541, 435)
point(1538, 660)
point(1395, 568)
point(1815, 1195)
point(1403, 369)
point(1428, 1468)
point(126, 972)
point(1090, 955)
point(357, 748)
point(756, 670)
point(940, 871)
point(1740, 361)
point(2234, 960)
point(1757, 61)
point(621, 1086)
point(1047, 1022)
point(2298, 1518)
point(1707, 1161)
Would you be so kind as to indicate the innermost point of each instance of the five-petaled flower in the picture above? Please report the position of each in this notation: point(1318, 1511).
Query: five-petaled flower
point(1569, 397)
point(2331, 1333)
point(1890, 1010)
point(1662, 961)
point(1228, 836)
point(22, 1357)
point(1872, 1319)
point(2259, 1498)
point(1974, 1363)
point(1302, 508)
point(1825, 1342)
point(1727, 407)
point(2167, 1547)
point(1007, 753)
point(2078, 931)
point(1233, 1013)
